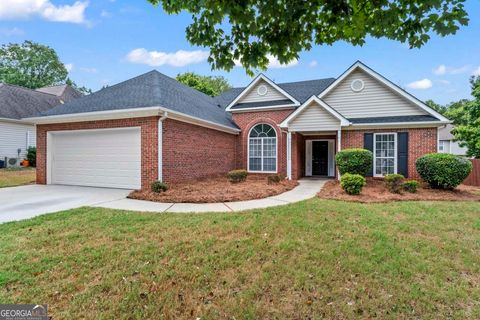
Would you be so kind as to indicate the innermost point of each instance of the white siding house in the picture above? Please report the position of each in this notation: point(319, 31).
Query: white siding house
point(15, 136)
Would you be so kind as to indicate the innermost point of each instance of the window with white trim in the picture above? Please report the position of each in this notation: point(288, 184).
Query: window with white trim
point(444, 146)
point(262, 149)
point(385, 152)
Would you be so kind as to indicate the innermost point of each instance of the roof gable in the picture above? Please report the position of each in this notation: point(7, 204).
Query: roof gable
point(378, 97)
point(260, 92)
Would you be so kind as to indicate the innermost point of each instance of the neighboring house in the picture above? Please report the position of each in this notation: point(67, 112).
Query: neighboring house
point(446, 143)
point(17, 103)
point(153, 127)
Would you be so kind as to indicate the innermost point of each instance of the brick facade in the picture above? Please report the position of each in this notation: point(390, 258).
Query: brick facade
point(247, 120)
point(192, 152)
point(149, 144)
point(420, 141)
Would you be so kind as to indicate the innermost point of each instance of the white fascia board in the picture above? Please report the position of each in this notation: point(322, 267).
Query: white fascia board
point(130, 113)
point(386, 82)
point(417, 124)
point(16, 121)
point(323, 104)
point(266, 108)
point(253, 83)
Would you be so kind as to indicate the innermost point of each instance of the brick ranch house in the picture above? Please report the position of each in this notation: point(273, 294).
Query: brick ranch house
point(153, 127)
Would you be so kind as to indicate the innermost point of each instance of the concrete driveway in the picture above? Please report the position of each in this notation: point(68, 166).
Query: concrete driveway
point(25, 202)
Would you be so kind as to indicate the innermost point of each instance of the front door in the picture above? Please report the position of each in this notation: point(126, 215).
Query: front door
point(320, 158)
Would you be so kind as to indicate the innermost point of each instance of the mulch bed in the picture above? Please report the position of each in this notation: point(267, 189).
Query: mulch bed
point(217, 189)
point(375, 191)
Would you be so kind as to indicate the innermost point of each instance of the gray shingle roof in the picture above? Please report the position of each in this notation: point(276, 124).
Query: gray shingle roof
point(300, 90)
point(64, 91)
point(260, 104)
point(393, 119)
point(18, 102)
point(148, 90)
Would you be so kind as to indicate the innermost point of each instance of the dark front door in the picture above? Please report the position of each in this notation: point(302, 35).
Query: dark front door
point(320, 158)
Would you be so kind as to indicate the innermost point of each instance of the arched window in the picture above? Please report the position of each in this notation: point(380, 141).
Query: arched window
point(262, 149)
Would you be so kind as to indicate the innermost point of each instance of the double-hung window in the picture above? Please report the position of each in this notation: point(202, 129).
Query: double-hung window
point(385, 153)
point(262, 149)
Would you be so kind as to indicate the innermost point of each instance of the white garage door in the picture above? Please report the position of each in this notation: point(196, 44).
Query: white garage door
point(98, 158)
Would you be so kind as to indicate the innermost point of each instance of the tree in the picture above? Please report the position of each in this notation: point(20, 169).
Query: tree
point(212, 86)
point(81, 89)
point(435, 106)
point(455, 111)
point(249, 31)
point(31, 65)
point(468, 134)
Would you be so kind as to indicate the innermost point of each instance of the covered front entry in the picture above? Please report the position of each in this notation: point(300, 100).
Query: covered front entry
point(319, 157)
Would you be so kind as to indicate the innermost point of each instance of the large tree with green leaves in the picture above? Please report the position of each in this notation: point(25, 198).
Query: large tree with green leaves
point(31, 65)
point(213, 86)
point(250, 30)
point(468, 132)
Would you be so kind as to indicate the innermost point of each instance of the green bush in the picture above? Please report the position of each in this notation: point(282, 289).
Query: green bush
point(443, 170)
point(410, 186)
point(355, 161)
point(352, 183)
point(275, 178)
point(236, 176)
point(158, 186)
point(394, 182)
point(32, 156)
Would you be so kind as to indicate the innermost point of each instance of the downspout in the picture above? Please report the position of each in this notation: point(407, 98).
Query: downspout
point(160, 145)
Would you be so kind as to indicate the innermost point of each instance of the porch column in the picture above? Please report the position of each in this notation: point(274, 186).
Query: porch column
point(339, 147)
point(289, 155)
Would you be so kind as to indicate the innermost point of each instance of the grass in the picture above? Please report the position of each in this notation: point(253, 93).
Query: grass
point(16, 177)
point(317, 259)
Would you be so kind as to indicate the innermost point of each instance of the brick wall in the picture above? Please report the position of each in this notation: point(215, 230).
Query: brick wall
point(247, 120)
point(192, 152)
point(149, 128)
point(420, 141)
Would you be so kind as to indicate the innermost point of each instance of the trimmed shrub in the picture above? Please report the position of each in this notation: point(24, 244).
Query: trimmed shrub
point(352, 183)
point(275, 178)
point(236, 176)
point(394, 182)
point(158, 186)
point(410, 186)
point(32, 156)
point(355, 161)
point(443, 170)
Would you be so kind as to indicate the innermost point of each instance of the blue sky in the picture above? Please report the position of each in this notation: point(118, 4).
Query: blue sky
point(108, 41)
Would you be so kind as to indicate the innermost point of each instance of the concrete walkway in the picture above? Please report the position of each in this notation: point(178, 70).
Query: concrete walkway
point(306, 189)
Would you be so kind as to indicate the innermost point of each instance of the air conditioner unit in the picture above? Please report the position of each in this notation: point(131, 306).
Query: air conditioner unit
point(12, 162)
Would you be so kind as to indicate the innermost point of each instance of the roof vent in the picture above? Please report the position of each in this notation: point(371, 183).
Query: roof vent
point(262, 90)
point(357, 85)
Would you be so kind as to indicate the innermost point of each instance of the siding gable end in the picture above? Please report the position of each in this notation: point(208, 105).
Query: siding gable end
point(314, 118)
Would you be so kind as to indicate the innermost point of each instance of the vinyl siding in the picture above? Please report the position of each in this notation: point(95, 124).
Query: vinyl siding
point(375, 100)
point(314, 118)
point(14, 136)
point(252, 95)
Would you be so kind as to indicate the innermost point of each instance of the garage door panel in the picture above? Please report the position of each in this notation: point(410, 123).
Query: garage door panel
point(99, 158)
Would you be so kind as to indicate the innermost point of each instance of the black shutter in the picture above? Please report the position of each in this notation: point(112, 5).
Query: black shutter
point(402, 153)
point(368, 144)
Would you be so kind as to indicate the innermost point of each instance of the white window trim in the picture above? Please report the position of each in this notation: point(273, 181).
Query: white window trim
point(276, 149)
point(395, 160)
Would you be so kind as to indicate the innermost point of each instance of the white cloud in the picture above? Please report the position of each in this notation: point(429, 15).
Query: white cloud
point(476, 72)
point(24, 9)
point(313, 63)
point(273, 63)
point(105, 14)
point(88, 70)
point(68, 66)
point(420, 84)
point(443, 69)
point(444, 82)
point(440, 70)
point(158, 58)
point(11, 32)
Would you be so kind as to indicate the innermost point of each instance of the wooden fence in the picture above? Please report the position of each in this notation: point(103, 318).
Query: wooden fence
point(474, 178)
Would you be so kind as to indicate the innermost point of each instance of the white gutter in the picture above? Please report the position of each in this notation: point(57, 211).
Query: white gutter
point(129, 113)
point(160, 145)
point(16, 121)
point(397, 124)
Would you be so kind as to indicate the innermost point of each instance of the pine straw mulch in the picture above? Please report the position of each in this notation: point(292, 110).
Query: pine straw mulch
point(375, 191)
point(217, 189)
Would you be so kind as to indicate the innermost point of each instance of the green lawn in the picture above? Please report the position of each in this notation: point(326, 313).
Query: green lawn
point(316, 259)
point(16, 177)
